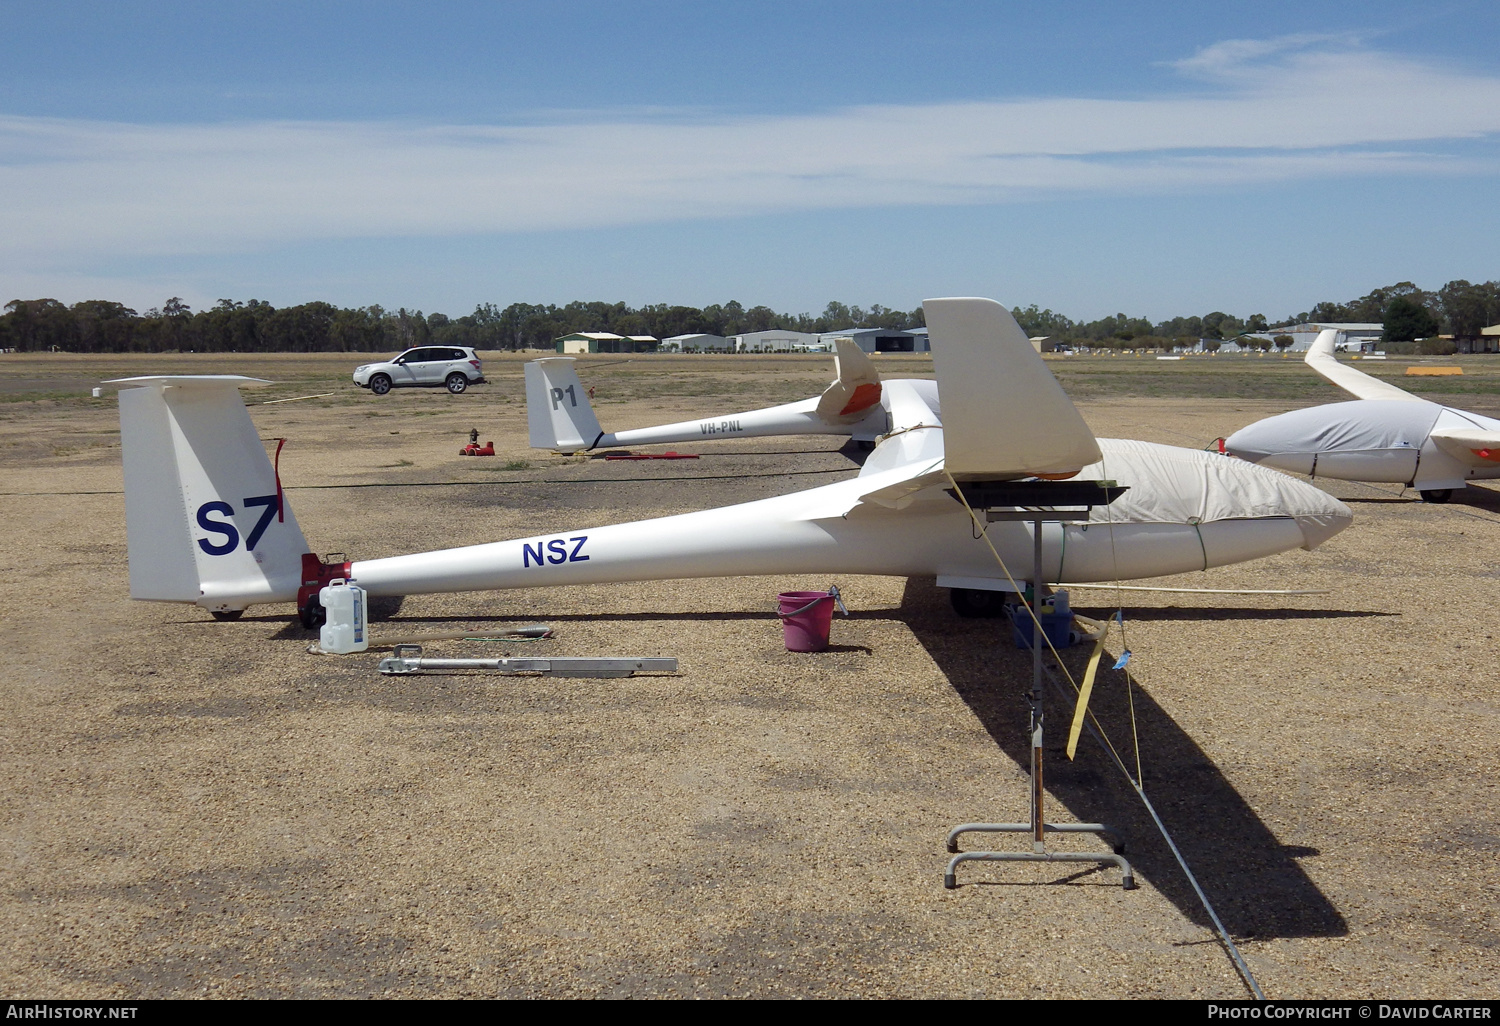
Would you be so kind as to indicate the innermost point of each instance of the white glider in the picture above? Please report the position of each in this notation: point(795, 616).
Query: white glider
point(1385, 435)
point(559, 416)
point(207, 523)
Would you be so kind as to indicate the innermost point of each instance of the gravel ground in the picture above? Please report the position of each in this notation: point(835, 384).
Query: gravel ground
point(196, 808)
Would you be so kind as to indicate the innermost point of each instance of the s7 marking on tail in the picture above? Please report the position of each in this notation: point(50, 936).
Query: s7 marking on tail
point(227, 529)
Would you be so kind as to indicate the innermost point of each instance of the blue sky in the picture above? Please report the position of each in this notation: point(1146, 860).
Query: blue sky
point(1092, 158)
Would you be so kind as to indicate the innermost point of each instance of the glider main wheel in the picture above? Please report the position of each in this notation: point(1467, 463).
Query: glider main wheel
point(380, 384)
point(312, 615)
point(227, 614)
point(457, 382)
point(1437, 495)
point(976, 603)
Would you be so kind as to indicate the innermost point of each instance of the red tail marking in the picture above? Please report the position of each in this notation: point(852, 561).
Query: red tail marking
point(864, 397)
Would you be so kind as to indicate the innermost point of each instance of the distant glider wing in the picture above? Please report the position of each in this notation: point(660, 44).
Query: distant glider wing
point(1004, 414)
point(1356, 382)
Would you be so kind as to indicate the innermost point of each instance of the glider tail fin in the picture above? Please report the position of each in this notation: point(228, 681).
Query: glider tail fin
point(856, 389)
point(206, 521)
point(558, 414)
point(1004, 414)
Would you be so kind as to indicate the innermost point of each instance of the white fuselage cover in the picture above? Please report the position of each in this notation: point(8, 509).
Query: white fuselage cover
point(1387, 434)
point(1397, 441)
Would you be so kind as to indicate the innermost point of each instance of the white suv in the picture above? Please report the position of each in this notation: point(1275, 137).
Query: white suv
point(450, 366)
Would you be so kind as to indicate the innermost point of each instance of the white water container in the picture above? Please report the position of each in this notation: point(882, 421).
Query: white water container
point(344, 630)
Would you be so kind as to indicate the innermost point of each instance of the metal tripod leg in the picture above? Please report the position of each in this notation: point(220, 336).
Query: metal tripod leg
point(1116, 842)
point(1038, 827)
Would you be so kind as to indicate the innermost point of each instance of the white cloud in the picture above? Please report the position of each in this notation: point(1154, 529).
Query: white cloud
point(1274, 110)
point(1229, 57)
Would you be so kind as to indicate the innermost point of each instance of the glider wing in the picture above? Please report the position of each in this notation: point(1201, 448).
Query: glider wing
point(1356, 382)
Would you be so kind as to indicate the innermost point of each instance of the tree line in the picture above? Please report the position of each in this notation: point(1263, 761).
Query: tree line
point(103, 326)
point(1459, 308)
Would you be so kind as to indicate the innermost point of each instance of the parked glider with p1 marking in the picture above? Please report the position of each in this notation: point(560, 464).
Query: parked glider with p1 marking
point(199, 531)
point(559, 417)
point(1386, 435)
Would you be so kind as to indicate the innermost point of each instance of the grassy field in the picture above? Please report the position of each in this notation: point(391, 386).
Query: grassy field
point(757, 380)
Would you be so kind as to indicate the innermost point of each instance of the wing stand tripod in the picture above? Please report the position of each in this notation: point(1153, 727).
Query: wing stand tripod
point(1035, 494)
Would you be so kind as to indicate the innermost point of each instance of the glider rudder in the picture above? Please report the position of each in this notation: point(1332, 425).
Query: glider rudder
point(205, 518)
point(558, 414)
point(1004, 414)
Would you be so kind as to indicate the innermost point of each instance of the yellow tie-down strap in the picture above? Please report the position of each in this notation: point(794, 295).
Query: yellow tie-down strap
point(1099, 632)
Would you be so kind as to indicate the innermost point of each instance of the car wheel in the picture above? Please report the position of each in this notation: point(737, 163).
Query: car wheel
point(457, 382)
point(1437, 495)
point(380, 384)
point(977, 603)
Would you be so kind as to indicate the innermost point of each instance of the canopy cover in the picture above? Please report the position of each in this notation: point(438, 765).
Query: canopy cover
point(1169, 485)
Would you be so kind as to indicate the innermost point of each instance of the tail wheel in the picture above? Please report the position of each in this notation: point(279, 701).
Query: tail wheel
point(312, 615)
point(1437, 495)
point(380, 384)
point(457, 382)
point(227, 614)
point(976, 603)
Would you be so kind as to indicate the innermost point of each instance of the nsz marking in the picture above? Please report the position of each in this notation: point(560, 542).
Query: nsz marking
point(554, 551)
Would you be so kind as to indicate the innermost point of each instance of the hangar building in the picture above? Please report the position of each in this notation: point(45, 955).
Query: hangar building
point(1356, 337)
point(774, 340)
point(881, 340)
point(700, 343)
point(606, 342)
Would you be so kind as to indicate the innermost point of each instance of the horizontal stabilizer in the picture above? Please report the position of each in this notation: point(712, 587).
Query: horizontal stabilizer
point(1004, 414)
point(1356, 382)
point(1475, 446)
point(192, 381)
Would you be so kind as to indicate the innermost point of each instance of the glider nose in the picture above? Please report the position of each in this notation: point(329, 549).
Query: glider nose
point(1254, 442)
point(1279, 442)
point(1318, 528)
point(1260, 491)
point(1318, 514)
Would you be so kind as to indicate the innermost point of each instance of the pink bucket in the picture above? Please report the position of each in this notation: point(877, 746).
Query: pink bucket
point(806, 617)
